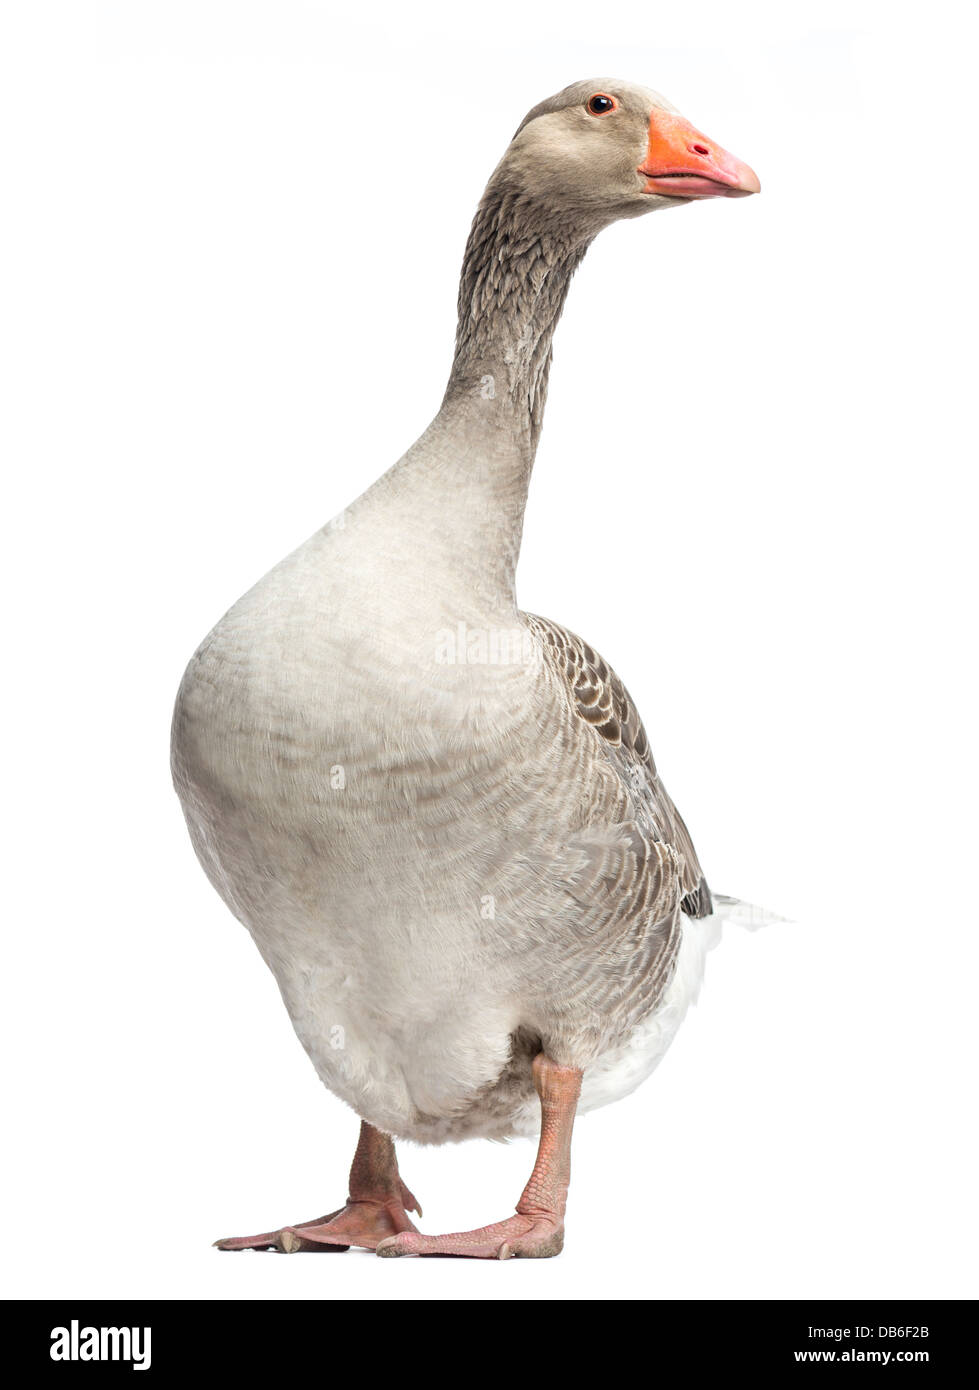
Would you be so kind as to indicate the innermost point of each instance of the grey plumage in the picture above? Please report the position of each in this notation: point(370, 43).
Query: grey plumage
point(452, 863)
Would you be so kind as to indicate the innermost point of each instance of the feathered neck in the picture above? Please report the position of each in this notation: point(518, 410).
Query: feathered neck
point(515, 276)
point(453, 506)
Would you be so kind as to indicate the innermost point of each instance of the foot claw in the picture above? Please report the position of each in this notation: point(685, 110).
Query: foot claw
point(410, 1202)
point(291, 1241)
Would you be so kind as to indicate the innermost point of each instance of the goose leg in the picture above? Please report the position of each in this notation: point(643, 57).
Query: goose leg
point(537, 1230)
point(377, 1207)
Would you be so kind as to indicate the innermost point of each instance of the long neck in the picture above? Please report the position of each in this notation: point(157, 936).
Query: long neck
point(515, 277)
point(461, 490)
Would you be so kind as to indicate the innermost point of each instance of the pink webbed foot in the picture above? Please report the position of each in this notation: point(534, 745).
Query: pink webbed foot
point(519, 1237)
point(376, 1209)
point(537, 1230)
point(269, 1240)
point(362, 1223)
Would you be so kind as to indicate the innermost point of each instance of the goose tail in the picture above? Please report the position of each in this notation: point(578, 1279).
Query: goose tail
point(742, 914)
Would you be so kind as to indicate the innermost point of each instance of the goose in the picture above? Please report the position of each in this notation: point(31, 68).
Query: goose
point(438, 816)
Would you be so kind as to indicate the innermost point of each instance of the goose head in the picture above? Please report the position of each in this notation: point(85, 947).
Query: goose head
point(603, 150)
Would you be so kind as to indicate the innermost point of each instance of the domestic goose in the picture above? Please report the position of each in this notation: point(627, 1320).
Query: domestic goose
point(439, 817)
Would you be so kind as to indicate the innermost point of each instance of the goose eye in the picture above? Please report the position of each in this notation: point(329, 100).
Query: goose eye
point(600, 104)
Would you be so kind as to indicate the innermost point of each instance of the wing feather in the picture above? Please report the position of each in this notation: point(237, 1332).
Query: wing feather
point(599, 697)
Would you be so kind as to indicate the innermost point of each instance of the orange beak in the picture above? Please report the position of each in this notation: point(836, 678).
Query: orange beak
point(682, 163)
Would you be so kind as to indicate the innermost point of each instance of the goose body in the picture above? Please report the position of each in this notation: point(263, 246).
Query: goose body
point(435, 859)
point(438, 816)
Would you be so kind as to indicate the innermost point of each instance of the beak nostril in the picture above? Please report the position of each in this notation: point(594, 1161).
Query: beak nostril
point(700, 149)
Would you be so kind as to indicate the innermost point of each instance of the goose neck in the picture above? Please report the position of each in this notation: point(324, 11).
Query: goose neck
point(516, 272)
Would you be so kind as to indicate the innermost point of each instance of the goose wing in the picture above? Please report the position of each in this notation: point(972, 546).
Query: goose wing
point(600, 699)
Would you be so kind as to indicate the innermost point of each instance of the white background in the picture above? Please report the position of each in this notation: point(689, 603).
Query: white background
point(233, 233)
